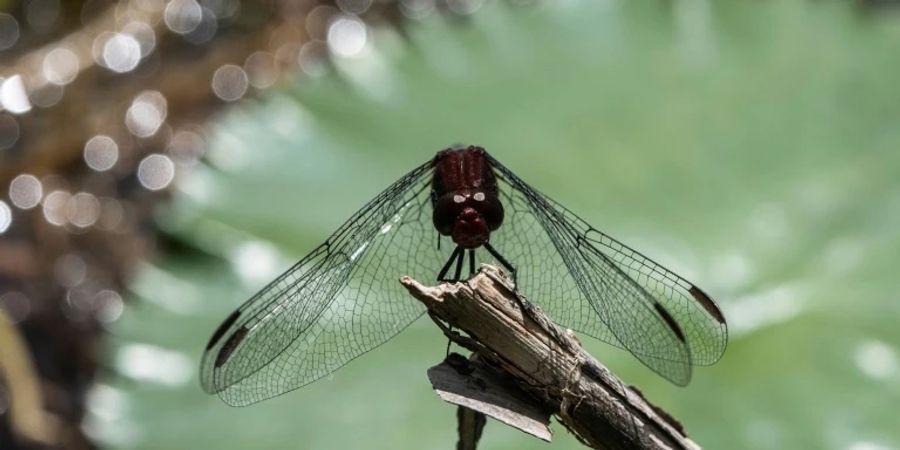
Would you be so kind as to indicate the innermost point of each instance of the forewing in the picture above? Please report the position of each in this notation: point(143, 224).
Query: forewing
point(338, 302)
point(591, 283)
point(698, 316)
point(541, 271)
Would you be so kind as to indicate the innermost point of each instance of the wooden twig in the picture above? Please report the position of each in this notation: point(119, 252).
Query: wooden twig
point(470, 426)
point(477, 387)
point(549, 363)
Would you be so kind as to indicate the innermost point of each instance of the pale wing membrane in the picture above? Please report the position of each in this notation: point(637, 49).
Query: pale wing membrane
point(698, 316)
point(662, 319)
point(337, 303)
point(541, 273)
point(588, 297)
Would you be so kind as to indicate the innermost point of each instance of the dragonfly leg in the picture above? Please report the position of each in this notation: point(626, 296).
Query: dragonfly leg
point(503, 262)
point(471, 262)
point(459, 263)
point(523, 303)
point(446, 268)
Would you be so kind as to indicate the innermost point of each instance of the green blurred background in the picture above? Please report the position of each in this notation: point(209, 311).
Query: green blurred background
point(753, 147)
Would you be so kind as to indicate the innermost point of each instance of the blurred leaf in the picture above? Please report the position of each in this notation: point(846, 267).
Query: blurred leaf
point(750, 146)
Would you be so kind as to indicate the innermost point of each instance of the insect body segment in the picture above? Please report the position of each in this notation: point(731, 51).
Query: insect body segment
point(466, 203)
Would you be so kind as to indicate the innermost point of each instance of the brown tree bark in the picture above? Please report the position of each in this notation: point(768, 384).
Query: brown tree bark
point(549, 363)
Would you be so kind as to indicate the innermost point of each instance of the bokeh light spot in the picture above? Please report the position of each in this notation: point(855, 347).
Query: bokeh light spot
point(112, 213)
point(121, 53)
point(205, 30)
point(9, 131)
point(347, 36)
point(149, 363)
point(5, 217)
point(254, 261)
point(156, 171)
point(70, 270)
point(143, 34)
point(60, 66)
point(186, 147)
point(311, 59)
point(146, 114)
point(101, 153)
point(83, 210)
point(229, 83)
point(55, 207)
point(183, 16)
point(9, 31)
point(25, 191)
point(260, 68)
point(13, 96)
point(108, 306)
point(46, 94)
point(876, 359)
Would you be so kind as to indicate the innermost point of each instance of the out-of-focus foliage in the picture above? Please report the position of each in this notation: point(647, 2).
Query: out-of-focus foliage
point(751, 146)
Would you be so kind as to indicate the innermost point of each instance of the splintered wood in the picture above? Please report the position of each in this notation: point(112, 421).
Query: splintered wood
point(523, 351)
point(485, 390)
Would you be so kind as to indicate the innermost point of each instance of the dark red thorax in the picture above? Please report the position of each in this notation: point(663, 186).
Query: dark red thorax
point(465, 196)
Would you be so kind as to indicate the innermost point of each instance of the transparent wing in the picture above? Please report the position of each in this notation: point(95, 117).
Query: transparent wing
point(592, 283)
point(338, 302)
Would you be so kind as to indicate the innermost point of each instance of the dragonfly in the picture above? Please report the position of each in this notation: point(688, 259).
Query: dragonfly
point(457, 210)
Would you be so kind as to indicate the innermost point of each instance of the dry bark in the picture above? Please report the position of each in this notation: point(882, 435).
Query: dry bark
point(549, 363)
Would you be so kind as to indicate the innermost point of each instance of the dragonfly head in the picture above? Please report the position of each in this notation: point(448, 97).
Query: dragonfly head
point(470, 229)
point(468, 216)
